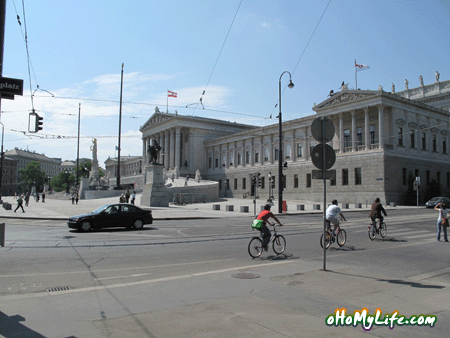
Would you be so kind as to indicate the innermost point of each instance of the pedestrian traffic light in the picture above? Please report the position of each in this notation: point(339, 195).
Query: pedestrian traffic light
point(259, 182)
point(39, 123)
point(253, 180)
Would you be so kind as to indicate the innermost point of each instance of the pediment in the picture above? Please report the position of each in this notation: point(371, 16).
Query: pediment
point(156, 118)
point(344, 97)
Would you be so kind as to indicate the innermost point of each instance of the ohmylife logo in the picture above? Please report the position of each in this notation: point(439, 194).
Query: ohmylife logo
point(367, 321)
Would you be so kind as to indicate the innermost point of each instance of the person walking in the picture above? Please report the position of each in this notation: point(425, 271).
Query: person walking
point(37, 197)
point(442, 220)
point(73, 198)
point(76, 197)
point(133, 197)
point(27, 199)
point(19, 204)
point(127, 196)
point(43, 197)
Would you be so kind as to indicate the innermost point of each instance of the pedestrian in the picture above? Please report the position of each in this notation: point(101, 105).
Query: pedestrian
point(185, 181)
point(76, 198)
point(122, 198)
point(127, 196)
point(37, 197)
point(442, 220)
point(73, 198)
point(43, 197)
point(27, 199)
point(133, 197)
point(15, 195)
point(173, 177)
point(19, 204)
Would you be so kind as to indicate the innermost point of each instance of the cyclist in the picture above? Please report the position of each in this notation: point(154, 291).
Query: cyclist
point(376, 211)
point(332, 211)
point(264, 216)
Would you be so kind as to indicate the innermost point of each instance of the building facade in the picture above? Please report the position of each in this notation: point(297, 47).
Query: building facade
point(9, 176)
point(131, 175)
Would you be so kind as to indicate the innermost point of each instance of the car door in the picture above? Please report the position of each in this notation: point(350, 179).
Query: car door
point(126, 215)
point(109, 217)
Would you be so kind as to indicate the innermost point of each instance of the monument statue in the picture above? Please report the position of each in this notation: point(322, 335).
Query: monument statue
point(153, 150)
point(406, 84)
point(421, 80)
point(94, 177)
point(437, 75)
point(198, 176)
point(393, 88)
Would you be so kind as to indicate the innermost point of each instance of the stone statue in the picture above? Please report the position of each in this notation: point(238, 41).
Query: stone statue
point(95, 173)
point(437, 75)
point(198, 176)
point(380, 87)
point(406, 84)
point(421, 80)
point(393, 88)
point(153, 150)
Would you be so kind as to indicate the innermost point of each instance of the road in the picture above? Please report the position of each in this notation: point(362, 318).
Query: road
point(45, 257)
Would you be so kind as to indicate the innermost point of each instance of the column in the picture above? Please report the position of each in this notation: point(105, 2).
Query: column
point(261, 150)
point(341, 133)
point(252, 153)
point(366, 128)
point(353, 112)
point(381, 126)
point(227, 156)
point(305, 144)
point(172, 148)
point(271, 150)
point(235, 155)
point(293, 148)
point(166, 149)
point(177, 147)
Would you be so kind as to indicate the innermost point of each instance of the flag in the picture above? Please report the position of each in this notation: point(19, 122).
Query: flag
point(171, 94)
point(361, 67)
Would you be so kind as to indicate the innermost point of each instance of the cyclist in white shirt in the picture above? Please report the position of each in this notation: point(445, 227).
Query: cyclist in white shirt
point(331, 214)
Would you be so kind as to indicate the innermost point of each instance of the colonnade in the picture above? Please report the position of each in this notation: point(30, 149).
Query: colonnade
point(170, 141)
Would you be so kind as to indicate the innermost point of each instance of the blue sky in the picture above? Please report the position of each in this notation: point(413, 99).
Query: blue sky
point(77, 48)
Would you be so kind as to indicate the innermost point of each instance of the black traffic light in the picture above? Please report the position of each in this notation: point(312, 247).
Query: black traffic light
point(253, 180)
point(39, 123)
point(259, 182)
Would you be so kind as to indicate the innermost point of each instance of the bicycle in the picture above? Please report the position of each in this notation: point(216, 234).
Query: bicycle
point(255, 247)
point(374, 229)
point(340, 235)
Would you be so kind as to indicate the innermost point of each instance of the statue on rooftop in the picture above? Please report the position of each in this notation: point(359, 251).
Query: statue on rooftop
point(437, 75)
point(421, 80)
point(406, 84)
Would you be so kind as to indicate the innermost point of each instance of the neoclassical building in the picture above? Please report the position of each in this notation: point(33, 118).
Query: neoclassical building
point(380, 139)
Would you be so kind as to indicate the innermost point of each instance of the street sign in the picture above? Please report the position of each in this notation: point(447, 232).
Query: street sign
point(329, 175)
point(317, 156)
point(11, 86)
point(322, 129)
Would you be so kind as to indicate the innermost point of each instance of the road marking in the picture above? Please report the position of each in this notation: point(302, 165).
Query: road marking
point(431, 274)
point(128, 276)
point(421, 236)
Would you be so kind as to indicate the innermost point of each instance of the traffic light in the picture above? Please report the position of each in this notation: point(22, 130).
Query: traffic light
point(258, 180)
point(253, 180)
point(39, 123)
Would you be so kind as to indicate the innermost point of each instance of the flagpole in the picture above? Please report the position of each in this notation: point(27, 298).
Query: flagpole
point(167, 105)
point(356, 78)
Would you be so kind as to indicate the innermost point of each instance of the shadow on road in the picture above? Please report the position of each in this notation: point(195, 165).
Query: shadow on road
point(11, 326)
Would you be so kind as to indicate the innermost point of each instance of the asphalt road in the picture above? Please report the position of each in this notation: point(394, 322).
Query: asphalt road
point(41, 255)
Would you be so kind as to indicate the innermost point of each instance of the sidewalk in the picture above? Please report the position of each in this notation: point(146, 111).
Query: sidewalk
point(61, 209)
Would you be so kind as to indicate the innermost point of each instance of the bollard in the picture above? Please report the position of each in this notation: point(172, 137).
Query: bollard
point(2, 234)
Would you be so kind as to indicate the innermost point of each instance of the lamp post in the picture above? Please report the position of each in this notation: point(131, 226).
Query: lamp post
point(280, 150)
point(1, 163)
point(66, 173)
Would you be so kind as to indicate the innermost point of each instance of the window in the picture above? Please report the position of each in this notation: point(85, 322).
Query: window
point(308, 180)
point(438, 177)
point(257, 156)
point(276, 154)
point(266, 154)
point(224, 160)
point(444, 145)
point(244, 185)
point(333, 179)
point(413, 138)
point(347, 141)
point(400, 136)
point(239, 158)
point(247, 157)
point(299, 150)
point(404, 176)
point(424, 141)
point(231, 159)
point(416, 173)
point(372, 133)
point(358, 179)
point(217, 162)
point(359, 136)
point(288, 151)
point(209, 162)
point(263, 183)
point(344, 176)
point(295, 181)
point(434, 143)
point(220, 184)
point(235, 183)
point(428, 177)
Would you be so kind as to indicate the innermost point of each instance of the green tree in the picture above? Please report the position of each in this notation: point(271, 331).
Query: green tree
point(59, 183)
point(32, 175)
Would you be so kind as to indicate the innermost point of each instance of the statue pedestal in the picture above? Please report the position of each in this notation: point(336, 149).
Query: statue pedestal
point(154, 193)
point(84, 186)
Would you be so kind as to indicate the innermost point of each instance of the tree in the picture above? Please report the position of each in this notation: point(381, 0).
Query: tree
point(59, 183)
point(32, 175)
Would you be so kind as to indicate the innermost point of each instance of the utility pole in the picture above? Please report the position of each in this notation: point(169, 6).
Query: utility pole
point(2, 42)
point(118, 187)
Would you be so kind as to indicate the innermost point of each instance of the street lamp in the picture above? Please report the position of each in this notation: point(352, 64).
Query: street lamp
point(280, 151)
point(66, 173)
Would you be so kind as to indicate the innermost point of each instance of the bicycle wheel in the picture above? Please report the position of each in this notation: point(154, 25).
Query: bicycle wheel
point(383, 230)
point(255, 247)
point(372, 232)
point(328, 241)
point(279, 244)
point(341, 237)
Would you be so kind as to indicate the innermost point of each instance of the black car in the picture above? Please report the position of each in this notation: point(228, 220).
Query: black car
point(111, 216)
point(436, 200)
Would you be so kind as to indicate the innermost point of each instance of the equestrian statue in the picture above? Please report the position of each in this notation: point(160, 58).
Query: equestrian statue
point(153, 150)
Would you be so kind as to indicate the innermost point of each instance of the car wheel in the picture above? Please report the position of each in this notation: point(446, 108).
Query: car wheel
point(138, 224)
point(85, 226)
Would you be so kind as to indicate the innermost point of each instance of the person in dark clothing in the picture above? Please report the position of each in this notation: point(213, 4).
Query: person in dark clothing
point(127, 196)
point(27, 199)
point(376, 212)
point(19, 204)
point(264, 216)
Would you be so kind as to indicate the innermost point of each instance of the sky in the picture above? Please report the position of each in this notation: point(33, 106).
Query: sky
point(233, 50)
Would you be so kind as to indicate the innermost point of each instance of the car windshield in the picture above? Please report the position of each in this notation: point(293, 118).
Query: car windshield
point(434, 199)
point(99, 210)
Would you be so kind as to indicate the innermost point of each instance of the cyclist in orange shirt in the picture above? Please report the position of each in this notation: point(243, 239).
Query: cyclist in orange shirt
point(264, 216)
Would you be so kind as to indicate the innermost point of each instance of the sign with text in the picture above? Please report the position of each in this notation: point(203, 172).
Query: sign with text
point(11, 86)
